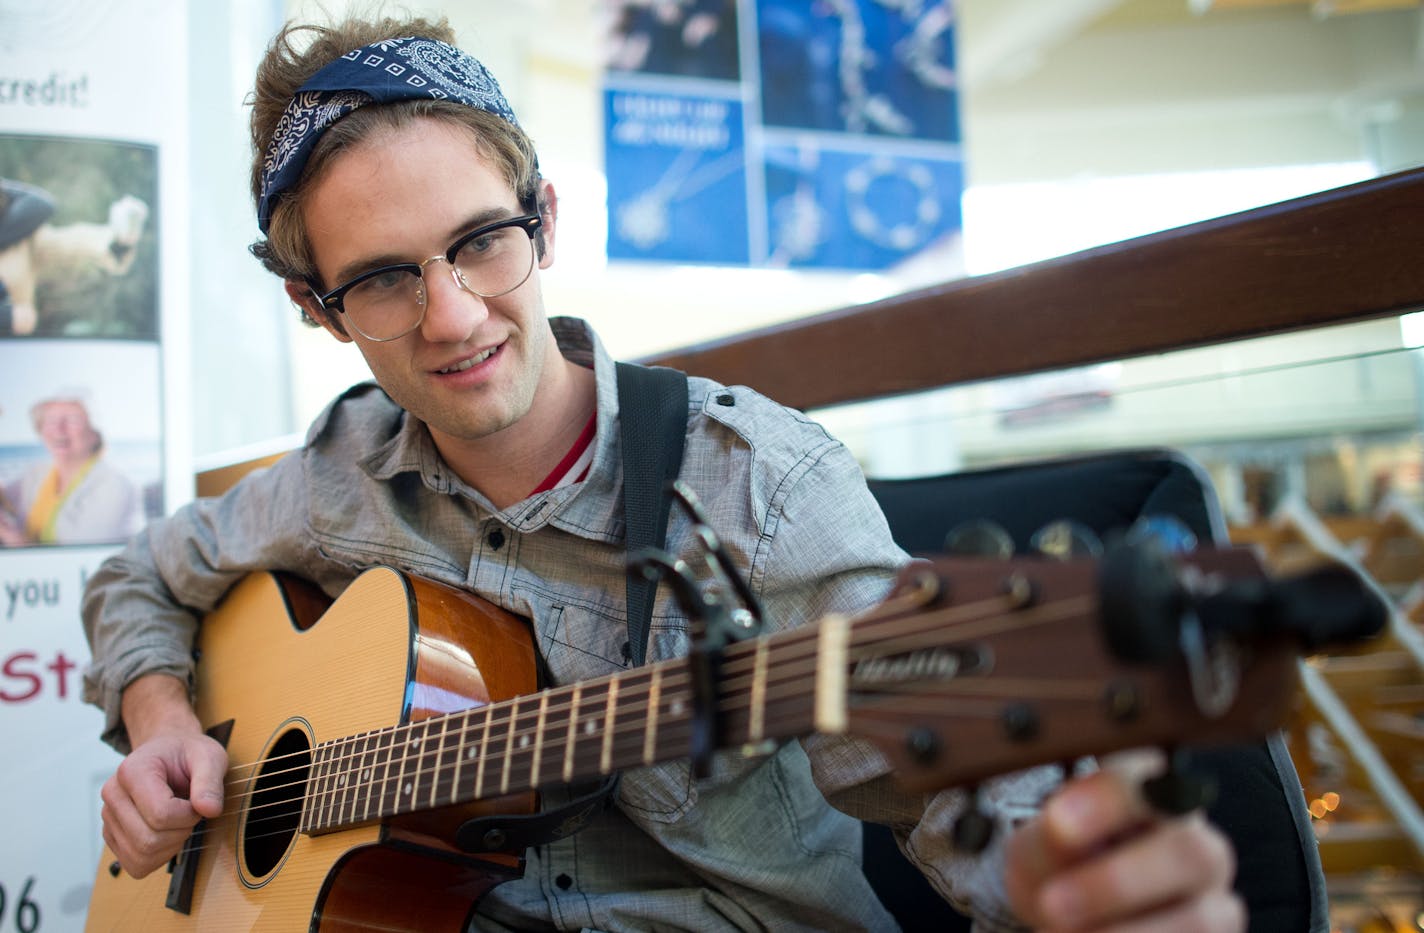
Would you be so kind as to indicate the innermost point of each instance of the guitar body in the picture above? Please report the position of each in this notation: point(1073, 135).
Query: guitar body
point(288, 672)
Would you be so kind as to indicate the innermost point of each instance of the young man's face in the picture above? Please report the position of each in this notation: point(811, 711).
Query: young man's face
point(405, 197)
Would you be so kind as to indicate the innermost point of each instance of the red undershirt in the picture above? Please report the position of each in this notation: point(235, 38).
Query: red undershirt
point(574, 467)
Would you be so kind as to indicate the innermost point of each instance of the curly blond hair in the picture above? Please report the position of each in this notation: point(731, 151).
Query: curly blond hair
point(300, 50)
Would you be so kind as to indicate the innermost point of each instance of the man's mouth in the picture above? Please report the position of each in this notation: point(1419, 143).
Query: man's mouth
point(467, 363)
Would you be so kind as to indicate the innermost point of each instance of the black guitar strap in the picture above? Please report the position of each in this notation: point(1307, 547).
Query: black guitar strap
point(652, 415)
point(652, 411)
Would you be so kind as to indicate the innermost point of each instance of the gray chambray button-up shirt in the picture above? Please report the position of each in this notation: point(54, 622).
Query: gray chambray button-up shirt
point(754, 846)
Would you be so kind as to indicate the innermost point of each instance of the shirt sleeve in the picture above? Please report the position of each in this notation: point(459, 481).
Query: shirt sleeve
point(832, 553)
point(141, 608)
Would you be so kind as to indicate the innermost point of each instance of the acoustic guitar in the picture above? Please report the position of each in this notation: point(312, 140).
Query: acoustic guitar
point(364, 733)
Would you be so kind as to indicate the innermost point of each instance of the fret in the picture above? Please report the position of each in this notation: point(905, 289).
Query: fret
point(462, 747)
point(626, 745)
point(400, 744)
point(385, 752)
point(451, 748)
point(342, 787)
point(355, 786)
point(332, 791)
point(539, 738)
point(484, 754)
point(349, 766)
point(323, 791)
point(650, 734)
point(586, 729)
point(424, 748)
point(605, 757)
point(311, 798)
point(677, 726)
point(436, 767)
point(509, 745)
point(362, 798)
point(572, 740)
point(756, 729)
point(432, 746)
point(525, 746)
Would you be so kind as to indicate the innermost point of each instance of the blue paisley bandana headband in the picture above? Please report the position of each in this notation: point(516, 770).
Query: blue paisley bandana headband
point(390, 70)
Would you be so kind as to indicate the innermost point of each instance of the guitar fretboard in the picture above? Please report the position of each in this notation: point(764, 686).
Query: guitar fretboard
point(562, 735)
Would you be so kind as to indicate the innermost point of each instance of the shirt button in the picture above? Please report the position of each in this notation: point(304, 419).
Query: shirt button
point(496, 539)
point(564, 882)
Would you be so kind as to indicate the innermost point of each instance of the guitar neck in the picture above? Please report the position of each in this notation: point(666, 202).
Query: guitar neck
point(766, 690)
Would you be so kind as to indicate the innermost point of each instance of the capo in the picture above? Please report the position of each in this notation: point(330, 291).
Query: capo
point(722, 610)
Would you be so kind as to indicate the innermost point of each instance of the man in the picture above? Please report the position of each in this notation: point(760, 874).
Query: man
point(418, 231)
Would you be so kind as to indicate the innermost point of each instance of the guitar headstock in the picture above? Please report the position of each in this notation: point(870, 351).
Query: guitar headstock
point(978, 667)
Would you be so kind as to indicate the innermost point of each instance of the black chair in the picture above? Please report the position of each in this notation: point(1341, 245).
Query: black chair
point(1260, 805)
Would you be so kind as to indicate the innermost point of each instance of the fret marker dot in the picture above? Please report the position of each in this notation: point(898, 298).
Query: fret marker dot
point(415, 745)
point(524, 741)
point(366, 775)
point(590, 727)
point(676, 708)
point(407, 789)
point(470, 753)
point(341, 780)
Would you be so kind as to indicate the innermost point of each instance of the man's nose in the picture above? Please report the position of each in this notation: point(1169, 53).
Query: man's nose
point(452, 311)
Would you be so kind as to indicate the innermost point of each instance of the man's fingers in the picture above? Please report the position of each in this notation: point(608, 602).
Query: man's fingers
point(145, 781)
point(1216, 912)
point(1167, 866)
point(205, 786)
point(1092, 811)
point(140, 846)
point(145, 821)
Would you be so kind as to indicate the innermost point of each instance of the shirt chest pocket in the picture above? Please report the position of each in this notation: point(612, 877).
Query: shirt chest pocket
point(583, 639)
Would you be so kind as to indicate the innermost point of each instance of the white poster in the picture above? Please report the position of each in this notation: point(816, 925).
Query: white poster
point(93, 274)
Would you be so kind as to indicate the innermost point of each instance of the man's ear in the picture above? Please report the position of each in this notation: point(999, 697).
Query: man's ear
point(301, 294)
point(548, 203)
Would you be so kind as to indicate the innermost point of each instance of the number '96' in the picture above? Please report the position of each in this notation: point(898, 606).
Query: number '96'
point(23, 912)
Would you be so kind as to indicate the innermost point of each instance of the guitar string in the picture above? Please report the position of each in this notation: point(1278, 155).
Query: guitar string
point(735, 669)
point(510, 732)
point(678, 726)
point(743, 661)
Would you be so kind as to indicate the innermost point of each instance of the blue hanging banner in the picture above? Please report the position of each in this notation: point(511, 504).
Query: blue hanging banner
point(677, 188)
point(783, 133)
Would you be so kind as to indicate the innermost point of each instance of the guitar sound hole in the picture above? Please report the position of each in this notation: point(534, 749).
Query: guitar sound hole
point(274, 814)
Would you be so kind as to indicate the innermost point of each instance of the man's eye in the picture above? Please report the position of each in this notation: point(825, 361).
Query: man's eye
point(480, 244)
point(382, 282)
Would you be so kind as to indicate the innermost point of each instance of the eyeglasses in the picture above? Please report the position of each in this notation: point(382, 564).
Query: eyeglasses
point(389, 302)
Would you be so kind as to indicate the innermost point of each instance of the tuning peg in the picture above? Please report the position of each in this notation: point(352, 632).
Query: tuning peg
point(979, 538)
point(1140, 603)
point(1167, 532)
point(1178, 790)
point(973, 829)
point(1065, 538)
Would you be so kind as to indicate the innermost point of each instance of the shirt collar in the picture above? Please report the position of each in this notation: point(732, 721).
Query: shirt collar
point(591, 509)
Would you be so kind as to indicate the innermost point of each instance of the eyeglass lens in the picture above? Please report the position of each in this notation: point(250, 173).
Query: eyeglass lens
point(392, 303)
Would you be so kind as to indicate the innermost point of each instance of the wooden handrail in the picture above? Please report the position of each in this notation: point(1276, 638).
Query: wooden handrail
point(1347, 254)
